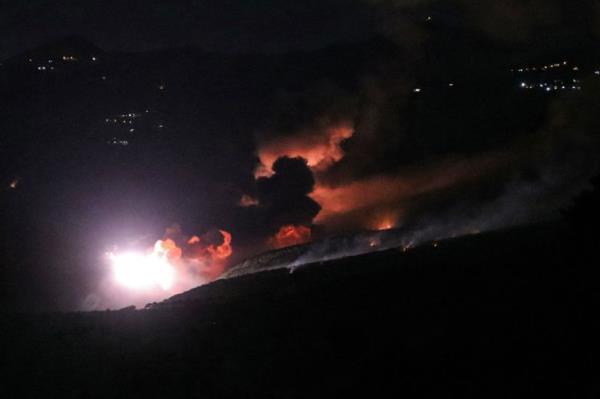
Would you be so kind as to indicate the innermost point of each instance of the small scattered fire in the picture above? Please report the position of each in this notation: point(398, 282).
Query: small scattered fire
point(290, 235)
point(385, 225)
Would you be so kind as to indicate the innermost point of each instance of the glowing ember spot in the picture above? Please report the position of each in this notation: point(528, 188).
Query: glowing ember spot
point(247, 201)
point(385, 224)
point(320, 149)
point(290, 235)
point(140, 271)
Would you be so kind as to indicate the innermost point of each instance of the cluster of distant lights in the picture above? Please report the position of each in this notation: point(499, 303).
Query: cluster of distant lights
point(420, 90)
point(49, 65)
point(554, 86)
point(543, 67)
point(127, 120)
point(116, 141)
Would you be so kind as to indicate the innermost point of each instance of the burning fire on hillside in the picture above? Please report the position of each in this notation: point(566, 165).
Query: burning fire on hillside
point(172, 265)
point(290, 235)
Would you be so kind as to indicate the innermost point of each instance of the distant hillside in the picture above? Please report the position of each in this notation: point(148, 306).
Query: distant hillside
point(76, 47)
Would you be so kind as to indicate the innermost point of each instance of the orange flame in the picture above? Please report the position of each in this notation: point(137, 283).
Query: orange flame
point(208, 260)
point(290, 235)
point(385, 224)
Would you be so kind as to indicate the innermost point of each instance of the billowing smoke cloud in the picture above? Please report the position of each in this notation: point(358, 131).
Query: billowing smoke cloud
point(373, 181)
point(320, 147)
point(205, 256)
point(281, 212)
point(284, 196)
point(380, 201)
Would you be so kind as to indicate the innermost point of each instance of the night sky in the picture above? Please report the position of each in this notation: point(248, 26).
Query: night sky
point(282, 26)
point(124, 123)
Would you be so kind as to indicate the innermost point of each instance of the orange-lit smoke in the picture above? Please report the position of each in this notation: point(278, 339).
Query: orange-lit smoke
point(208, 260)
point(320, 148)
point(290, 235)
point(381, 199)
point(223, 251)
point(167, 249)
point(376, 202)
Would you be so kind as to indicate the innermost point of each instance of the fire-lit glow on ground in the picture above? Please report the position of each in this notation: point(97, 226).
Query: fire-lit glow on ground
point(139, 271)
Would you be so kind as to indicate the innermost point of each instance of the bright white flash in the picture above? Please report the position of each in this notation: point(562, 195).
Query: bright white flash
point(140, 271)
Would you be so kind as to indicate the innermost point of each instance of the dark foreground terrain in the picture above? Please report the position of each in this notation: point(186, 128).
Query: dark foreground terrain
point(499, 315)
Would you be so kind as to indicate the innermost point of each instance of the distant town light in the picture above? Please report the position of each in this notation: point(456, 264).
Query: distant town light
point(417, 90)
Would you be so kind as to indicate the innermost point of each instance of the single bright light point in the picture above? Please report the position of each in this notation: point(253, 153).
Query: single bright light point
point(139, 271)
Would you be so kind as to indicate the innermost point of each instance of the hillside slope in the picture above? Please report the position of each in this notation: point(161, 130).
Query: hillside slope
point(506, 314)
